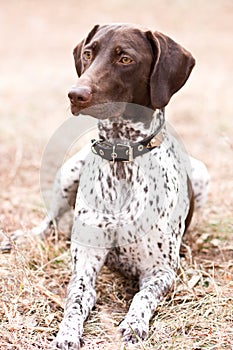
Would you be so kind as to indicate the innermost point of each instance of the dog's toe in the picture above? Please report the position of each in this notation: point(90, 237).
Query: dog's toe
point(65, 345)
point(133, 330)
point(67, 341)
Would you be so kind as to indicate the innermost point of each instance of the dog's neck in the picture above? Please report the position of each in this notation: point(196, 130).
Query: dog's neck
point(127, 128)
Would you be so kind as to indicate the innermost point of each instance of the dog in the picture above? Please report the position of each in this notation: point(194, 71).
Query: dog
point(132, 191)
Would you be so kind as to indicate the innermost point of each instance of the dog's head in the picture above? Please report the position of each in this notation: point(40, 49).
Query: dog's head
point(123, 63)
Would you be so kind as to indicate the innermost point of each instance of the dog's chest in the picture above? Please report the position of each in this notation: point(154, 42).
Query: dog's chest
point(119, 203)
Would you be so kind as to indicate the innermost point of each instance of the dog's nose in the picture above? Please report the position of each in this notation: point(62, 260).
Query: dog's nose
point(79, 95)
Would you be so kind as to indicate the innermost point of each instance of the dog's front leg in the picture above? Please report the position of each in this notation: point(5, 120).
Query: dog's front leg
point(153, 288)
point(81, 297)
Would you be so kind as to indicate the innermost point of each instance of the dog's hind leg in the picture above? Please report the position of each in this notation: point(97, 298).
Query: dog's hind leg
point(200, 179)
point(63, 199)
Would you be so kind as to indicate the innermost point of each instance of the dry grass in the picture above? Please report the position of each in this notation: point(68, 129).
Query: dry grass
point(198, 313)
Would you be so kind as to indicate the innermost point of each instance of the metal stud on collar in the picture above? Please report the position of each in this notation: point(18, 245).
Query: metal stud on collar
point(94, 142)
point(155, 142)
point(140, 148)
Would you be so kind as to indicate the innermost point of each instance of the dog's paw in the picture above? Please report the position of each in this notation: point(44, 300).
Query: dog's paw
point(133, 330)
point(67, 339)
point(66, 344)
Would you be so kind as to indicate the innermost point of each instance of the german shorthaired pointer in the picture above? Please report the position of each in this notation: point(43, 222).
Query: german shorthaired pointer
point(138, 200)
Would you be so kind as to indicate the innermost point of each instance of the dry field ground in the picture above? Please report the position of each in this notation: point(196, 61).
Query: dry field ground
point(36, 70)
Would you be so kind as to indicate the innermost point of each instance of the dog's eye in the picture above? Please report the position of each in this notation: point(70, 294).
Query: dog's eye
point(125, 60)
point(87, 55)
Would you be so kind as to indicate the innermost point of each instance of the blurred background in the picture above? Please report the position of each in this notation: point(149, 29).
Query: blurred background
point(36, 66)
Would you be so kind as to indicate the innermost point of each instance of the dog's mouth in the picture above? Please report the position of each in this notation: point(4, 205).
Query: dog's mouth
point(101, 111)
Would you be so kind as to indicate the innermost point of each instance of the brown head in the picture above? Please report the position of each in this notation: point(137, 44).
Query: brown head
point(123, 63)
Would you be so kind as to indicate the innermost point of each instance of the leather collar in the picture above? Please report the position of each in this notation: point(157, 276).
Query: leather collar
point(127, 152)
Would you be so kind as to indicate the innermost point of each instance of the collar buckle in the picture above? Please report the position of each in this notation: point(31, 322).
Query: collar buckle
point(129, 152)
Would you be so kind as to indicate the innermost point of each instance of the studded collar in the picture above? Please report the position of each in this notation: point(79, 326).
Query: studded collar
point(126, 152)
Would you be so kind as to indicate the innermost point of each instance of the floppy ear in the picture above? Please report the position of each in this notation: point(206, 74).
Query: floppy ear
point(172, 67)
point(77, 52)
